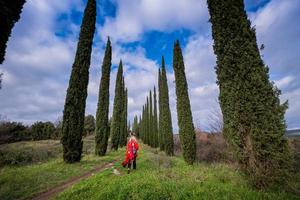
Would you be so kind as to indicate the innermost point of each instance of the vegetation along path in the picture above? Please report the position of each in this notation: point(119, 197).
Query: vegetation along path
point(56, 190)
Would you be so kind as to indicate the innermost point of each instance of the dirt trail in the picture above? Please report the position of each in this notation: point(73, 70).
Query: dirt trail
point(58, 189)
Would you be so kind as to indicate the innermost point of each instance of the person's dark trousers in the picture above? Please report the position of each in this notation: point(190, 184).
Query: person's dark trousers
point(133, 163)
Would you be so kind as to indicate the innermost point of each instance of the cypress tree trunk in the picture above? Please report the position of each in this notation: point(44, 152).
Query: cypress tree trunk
point(253, 117)
point(185, 119)
point(155, 127)
point(10, 11)
point(74, 110)
point(115, 130)
point(102, 128)
point(166, 119)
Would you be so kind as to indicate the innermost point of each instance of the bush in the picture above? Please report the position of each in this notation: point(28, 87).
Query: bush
point(13, 132)
point(29, 152)
point(210, 148)
point(42, 130)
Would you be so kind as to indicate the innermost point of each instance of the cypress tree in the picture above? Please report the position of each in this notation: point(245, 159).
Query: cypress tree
point(102, 128)
point(74, 109)
point(253, 117)
point(147, 120)
point(185, 119)
point(123, 122)
point(138, 133)
point(166, 120)
point(124, 119)
point(116, 130)
point(135, 125)
point(10, 11)
point(160, 121)
point(155, 126)
point(151, 138)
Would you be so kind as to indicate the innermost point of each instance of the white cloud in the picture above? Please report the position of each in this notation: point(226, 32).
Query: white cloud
point(38, 63)
point(277, 27)
point(134, 17)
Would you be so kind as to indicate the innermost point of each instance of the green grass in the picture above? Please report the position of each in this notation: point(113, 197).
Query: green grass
point(24, 181)
point(161, 177)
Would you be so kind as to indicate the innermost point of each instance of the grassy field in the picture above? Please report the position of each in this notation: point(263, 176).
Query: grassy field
point(23, 181)
point(161, 177)
point(157, 177)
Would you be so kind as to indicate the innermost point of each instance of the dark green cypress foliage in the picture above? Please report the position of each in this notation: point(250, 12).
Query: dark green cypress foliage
point(135, 125)
point(128, 126)
point(10, 11)
point(102, 128)
point(125, 127)
point(123, 122)
point(151, 138)
point(147, 124)
point(253, 117)
point(116, 130)
point(74, 110)
point(185, 119)
point(160, 121)
point(166, 119)
point(138, 133)
point(155, 125)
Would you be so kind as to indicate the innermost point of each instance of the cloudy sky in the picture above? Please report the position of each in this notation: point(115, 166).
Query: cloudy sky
point(41, 51)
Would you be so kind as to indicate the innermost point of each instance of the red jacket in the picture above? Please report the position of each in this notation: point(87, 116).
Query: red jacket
point(131, 151)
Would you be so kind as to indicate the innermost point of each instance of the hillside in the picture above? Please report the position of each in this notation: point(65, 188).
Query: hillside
point(161, 177)
point(157, 176)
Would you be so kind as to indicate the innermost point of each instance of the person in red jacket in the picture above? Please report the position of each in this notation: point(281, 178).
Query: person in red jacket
point(132, 148)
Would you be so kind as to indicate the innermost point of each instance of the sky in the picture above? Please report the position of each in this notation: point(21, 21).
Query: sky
point(42, 47)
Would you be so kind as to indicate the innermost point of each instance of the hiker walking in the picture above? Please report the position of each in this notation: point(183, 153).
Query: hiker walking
point(131, 152)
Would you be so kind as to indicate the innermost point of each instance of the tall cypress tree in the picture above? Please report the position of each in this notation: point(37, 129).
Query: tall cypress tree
point(123, 122)
point(115, 130)
point(102, 127)
point(160, 121)
point(166, 119)
point(147, 124)
point(155, 126)
point(151, 138)
point(74, 110)
point(10, 11)
point(185, 119)
point(253, 117)
point(125, 127)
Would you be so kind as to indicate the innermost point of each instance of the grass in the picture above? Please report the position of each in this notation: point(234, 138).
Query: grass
point(25, 181)
point(161, 177)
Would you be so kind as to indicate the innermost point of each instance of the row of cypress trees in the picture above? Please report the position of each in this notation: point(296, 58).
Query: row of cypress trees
point(74, 109)
point(161, 134)
point(253, 116)
point(148, 126)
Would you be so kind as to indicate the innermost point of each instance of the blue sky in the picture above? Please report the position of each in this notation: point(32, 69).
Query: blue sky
point(43, 43)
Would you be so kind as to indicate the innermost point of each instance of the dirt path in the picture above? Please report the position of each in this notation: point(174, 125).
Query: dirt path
point(58, 189)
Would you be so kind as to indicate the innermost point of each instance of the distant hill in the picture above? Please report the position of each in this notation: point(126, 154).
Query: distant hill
point(294, 133)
